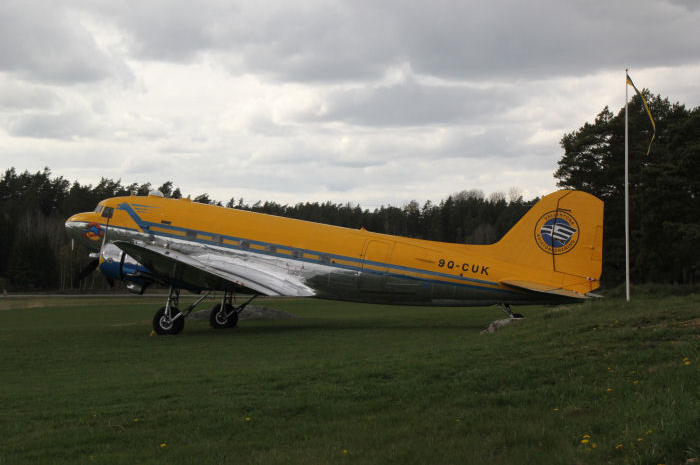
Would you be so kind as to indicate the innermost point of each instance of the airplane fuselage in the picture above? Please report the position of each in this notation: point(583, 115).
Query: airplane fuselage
point(283, 256)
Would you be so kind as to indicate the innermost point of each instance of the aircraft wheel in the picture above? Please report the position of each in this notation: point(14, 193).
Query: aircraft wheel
point(218, 318)
point(163, 327)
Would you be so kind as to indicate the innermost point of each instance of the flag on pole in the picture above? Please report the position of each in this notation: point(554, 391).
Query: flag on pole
point(646, 107)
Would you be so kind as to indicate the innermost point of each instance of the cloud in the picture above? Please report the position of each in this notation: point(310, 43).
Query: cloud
point(363, 101)
point(46, 42)
point(314, 41)
point(411, 103)
point(66, 126)
point(16, 96)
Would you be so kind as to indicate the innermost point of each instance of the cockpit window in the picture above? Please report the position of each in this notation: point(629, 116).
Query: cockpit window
point(107, 212)
point(98, 209)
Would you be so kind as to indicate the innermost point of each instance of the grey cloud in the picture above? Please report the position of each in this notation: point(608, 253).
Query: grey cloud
point(410, 103)
point(299, 41)
point(43, 42)
point(544, 38)
point(690, 5)
point(344, 41)
point(63, 126)
point(166, 30)
point(17, 96)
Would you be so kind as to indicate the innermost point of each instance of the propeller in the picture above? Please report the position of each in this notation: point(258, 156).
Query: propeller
point(91, 266)
point(95, 262)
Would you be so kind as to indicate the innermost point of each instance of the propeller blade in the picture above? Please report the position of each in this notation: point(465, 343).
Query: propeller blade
point(91, 266)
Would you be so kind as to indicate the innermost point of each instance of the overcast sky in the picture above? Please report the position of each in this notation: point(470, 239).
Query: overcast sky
point(363, 101)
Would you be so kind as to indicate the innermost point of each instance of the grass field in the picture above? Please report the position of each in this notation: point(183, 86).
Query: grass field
point(605, 382)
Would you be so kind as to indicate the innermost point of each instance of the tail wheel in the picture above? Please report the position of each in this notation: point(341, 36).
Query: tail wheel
point(223, 317)
point(163, 325)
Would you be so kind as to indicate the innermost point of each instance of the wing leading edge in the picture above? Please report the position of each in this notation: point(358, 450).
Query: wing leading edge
point(185, 271)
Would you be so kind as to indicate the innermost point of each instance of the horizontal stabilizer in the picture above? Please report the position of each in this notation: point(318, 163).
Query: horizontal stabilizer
point(544, 289)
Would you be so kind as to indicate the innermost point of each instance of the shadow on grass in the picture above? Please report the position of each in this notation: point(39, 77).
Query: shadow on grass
point(341, 326)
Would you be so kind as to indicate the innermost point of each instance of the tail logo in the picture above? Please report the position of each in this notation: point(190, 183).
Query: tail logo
point(556, 232)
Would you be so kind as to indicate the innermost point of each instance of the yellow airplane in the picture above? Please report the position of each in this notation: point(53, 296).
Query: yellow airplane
point(552, 255)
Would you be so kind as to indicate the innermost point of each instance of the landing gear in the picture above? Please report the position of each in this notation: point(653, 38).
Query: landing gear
point(169, 319)
point(507, 310)
point(225, 314)
point(164, 323)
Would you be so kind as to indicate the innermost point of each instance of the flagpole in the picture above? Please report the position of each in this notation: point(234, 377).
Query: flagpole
point(627, 198)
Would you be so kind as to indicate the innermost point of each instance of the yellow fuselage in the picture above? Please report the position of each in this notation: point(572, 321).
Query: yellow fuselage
point(335, 262)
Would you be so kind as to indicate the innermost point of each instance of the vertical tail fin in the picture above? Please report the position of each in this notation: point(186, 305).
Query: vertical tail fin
point(561, 233)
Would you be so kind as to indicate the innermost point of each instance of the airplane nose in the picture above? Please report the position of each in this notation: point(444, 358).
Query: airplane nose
point(85, 229)
point(73, 228)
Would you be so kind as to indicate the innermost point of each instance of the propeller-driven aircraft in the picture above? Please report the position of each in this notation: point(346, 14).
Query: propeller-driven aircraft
point(552, 255)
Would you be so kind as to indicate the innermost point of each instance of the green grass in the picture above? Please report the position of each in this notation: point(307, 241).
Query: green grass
point(83, 382)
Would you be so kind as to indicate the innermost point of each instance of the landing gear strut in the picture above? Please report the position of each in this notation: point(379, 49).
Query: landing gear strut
point(169, 319)
point(225, 314)
point(507, 310)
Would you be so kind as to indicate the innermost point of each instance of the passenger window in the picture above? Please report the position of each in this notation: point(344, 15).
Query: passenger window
point(107, 212)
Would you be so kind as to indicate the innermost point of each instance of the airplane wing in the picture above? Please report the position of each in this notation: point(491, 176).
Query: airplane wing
point(544, 289)
point(191, 273)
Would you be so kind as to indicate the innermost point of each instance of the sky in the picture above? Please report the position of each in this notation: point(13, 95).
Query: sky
point(361, 101)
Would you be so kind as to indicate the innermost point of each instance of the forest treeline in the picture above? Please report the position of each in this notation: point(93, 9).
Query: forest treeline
point(664, 187)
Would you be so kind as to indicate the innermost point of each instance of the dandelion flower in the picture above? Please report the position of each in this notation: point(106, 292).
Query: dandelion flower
point(636, 381)
point(649, 432)
point(247, 418)
point(556, 409)
point(687, 362)
point(584, 441)
point(640, 439)
point(586, 436)
point(618, 447)
point(609, 389)
point(163, 445)
point(345, 451)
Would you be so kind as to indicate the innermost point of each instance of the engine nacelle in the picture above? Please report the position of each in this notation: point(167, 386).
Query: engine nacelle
point(115, 264)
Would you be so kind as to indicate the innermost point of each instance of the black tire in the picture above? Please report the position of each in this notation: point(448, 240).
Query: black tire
point(163, 328)
point(219, 320)
point(233, 320)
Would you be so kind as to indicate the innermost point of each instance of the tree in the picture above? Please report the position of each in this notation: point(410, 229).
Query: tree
point(664, 192)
